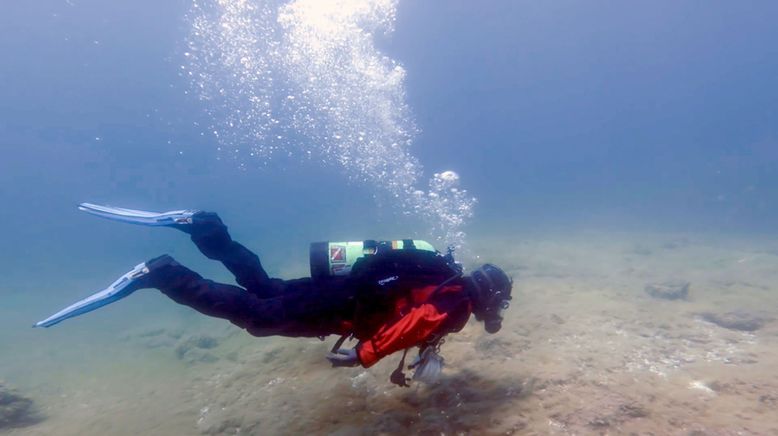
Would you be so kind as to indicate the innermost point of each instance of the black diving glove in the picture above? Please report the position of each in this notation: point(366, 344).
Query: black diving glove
point(343, 357)
point(202, 223)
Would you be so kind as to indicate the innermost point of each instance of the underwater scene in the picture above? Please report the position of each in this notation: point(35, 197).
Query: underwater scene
point(382, 217)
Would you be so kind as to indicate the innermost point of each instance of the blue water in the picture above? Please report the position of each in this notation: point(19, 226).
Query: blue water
point(554, 119)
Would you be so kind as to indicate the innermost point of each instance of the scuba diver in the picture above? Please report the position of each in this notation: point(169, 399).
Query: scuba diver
point(389, 295)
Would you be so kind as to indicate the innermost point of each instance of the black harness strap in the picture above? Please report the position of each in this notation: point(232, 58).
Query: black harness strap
point(340, 342)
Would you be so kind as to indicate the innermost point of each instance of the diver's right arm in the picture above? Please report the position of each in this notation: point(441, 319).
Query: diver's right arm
point(411, 330)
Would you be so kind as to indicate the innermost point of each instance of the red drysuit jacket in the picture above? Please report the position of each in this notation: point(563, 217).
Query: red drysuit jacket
point(418, 318)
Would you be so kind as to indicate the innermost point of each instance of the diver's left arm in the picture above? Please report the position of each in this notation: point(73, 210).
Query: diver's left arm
point(412, 329)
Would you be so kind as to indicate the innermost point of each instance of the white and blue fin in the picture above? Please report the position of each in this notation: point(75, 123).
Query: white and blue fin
point(124, 286)
point(142, 217)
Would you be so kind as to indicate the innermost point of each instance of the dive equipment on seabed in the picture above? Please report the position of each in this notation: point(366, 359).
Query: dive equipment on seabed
point(124, 286)
point(142, 217)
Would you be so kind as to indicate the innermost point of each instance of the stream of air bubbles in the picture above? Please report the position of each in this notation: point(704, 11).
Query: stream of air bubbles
point(303, 79)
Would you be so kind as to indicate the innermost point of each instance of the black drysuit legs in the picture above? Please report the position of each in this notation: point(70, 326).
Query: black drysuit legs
point(263, 306)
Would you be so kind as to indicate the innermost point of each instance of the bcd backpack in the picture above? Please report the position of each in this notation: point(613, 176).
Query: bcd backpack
point(380, 280)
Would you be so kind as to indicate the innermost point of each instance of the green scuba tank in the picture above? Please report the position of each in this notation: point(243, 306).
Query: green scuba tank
point(332, 259)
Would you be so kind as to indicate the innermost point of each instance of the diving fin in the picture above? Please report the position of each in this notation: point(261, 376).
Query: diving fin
point(171, 218)
point(124, 286)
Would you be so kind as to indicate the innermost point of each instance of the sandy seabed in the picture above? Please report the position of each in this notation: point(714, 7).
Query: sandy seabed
point(584, 350)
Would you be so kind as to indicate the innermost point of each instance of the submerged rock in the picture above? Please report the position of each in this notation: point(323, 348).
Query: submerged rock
point(736, 320)
point(15, 409)
point(193, 349)
point(672, 290)
point(197, 355)
point(604, 416)
point(154, 337)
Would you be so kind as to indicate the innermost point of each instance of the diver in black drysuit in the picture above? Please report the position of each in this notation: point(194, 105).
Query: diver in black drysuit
point(267, 306)
point(390, 302)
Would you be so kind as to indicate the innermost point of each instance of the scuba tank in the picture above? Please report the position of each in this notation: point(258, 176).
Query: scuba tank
point(333, 259)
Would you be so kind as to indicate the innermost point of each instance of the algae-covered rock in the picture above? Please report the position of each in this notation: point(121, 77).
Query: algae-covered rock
point(736, 320)
point(672, 290)
point(192, 349)
point(154, 337)
point(15, 409)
